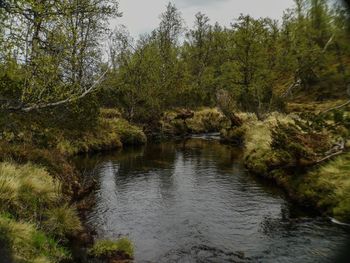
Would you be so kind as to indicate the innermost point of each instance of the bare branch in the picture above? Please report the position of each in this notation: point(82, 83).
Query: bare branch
point(28, 108)
point(336, 108)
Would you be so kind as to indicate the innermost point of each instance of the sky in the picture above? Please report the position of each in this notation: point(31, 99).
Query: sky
point(142, 16)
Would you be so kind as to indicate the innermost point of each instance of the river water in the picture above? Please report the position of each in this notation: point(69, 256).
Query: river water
point(193, 201)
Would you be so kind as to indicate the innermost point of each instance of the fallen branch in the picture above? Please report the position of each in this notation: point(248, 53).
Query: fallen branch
point(329, 157)
point(336, 107)
point(28, 108)
point(294, 85)
point(297, 83)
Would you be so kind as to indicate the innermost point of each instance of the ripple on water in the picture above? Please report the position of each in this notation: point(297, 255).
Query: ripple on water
point(194, 202)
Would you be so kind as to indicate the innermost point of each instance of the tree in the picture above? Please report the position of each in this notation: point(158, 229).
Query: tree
point(55, 45)
point(197, 53)
point(254, 52)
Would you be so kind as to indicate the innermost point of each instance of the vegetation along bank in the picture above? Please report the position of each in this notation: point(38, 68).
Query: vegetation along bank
point(278, 89)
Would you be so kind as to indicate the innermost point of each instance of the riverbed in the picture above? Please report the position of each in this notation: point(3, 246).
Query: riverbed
point(193, 201)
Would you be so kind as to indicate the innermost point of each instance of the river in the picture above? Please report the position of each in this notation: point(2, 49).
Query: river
point(193, 201)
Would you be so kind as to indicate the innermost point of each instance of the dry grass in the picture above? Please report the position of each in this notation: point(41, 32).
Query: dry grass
point(62, 221)
point(25, 190)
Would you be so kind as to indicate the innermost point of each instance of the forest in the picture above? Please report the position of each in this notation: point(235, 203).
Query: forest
point(70, 85)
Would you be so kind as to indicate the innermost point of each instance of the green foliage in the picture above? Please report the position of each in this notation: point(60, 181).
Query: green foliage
point(107, 248)
point(59, 54)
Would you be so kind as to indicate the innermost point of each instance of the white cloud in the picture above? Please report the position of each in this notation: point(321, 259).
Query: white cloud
point(141, 16)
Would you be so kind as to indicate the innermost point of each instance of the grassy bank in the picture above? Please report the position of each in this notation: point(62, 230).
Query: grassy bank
point(39, 187)
point(111, 132)
point(278, 149)
point(203, 120)
point(36, 219)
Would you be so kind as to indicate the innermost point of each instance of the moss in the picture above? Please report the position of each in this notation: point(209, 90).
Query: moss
point(108, 248)
point(27, 244)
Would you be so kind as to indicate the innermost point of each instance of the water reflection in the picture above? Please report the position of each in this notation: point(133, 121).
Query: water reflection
point(192, 201)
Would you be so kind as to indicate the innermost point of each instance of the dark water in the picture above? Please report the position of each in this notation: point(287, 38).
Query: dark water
point(192, 201)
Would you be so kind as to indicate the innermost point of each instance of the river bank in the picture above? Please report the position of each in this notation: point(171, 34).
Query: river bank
point(43, 196)
point(311, 165)
point(307, 157)
point(192, 200)
point(287, 159)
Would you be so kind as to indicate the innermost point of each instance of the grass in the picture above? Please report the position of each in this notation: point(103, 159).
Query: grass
point(29, 195)
point(313, 106)
point(25, 243)
point(129, 134)
point(35, 218)
point(204, 120)
point(326, 187)
point(26, 190)
point(110, 114)
point(257, 139)
point(111, 132)
point(102, 137)
point(62, 221)
point(108, 248)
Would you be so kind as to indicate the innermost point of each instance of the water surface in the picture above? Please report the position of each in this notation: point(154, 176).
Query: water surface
point(193, 201)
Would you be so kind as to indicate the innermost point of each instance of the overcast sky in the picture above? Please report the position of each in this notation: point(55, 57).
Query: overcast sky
point(142, 16)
